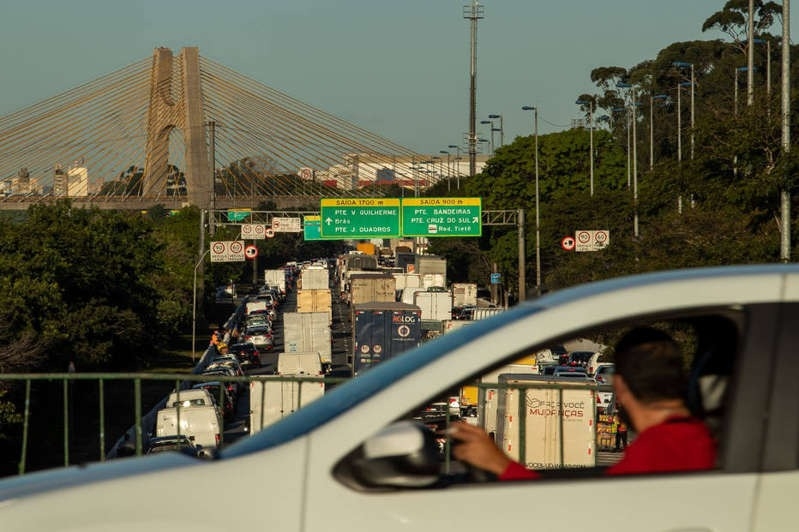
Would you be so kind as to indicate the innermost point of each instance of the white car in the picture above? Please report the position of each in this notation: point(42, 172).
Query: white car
point(352, 461)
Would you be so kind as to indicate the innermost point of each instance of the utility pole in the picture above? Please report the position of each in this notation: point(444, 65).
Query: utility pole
point(785, 196)
point(473, 12)
point(212, 142)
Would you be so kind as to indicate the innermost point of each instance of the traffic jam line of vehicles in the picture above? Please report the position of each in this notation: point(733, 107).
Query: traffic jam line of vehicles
point(529, 376)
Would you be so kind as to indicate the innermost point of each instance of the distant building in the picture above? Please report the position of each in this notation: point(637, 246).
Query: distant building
point(78, 180)
point(364, 169)
point(73, 182)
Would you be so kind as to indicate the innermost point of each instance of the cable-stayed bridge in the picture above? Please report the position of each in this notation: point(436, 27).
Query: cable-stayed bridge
point(185, 130)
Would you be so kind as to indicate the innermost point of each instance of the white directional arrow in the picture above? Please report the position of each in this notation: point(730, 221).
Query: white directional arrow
point(475, 220)
point(328, 220)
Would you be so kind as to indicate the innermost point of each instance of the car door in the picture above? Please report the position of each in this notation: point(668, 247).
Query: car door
point(720, 500)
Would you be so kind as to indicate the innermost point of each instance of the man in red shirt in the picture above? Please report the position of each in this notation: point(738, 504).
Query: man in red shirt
point(649, 383)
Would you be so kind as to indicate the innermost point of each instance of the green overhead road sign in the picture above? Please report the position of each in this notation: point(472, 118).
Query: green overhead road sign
point(442, 217)
point(310, 227)
point(238, 215)
point(345, 218)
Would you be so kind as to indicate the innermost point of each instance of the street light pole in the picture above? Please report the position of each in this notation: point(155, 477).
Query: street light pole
point(490, 123)
point(194, 307)
point(501, 129)
point(537, 210)
point(457, 164)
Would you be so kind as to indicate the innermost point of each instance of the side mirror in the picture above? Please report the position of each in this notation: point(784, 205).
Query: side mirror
point(403, 455)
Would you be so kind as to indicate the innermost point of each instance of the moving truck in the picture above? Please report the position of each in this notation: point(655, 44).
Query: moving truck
point(275, 397)
point(299, 364)
point(317, 300)
point(365, 288)
point(436, 306)
point(276, 278)
point(308, 332)
point(547, 423)
point(313, 278)
point(464, 294)
point(382, 331)
point(366, 248)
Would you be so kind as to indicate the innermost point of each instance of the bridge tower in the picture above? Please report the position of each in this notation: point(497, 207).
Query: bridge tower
point(178, 107)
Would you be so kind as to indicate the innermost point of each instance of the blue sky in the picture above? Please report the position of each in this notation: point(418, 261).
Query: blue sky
point(399, 69)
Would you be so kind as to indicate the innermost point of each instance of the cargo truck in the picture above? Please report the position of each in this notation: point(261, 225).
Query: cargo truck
point(382, 331)
point(314, 278)
point(464, 294)
point(436, 306)
point(275, 397)
point(547, 423)
point(276, 278)
point(364, 288)
point(431, 264)
point(308, 332)
point(318, 300)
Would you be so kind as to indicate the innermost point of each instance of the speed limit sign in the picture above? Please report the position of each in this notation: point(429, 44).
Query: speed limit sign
point(251, 251)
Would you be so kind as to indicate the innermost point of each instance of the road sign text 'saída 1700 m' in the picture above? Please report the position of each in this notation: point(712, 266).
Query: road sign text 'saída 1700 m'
point(442, 217)
point(345, 218)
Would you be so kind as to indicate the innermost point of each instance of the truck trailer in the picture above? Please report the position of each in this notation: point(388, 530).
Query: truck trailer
point(382, 331)
point(308, 332)
point(547, 423)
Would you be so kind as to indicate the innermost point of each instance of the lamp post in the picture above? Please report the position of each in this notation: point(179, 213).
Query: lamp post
point(490, 123)
point(633, 111)
point(501, 129)
point(537, 210)
point(457, 164)
point(590, 104)
point(194, 306)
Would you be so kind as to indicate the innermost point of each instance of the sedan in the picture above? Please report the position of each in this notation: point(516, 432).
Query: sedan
point(260, 336)
point(247, 354)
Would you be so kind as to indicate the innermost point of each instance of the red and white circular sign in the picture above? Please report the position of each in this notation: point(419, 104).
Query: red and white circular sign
point(584, 237)
point(236, 247)
point(251, 251)
point(270, 233)
point(568, 243)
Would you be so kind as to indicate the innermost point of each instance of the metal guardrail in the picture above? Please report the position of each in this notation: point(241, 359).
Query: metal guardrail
point(104, 380)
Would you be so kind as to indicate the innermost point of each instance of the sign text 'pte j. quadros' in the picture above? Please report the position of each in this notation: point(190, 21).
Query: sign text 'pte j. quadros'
point(345, 218)
point(442, 217)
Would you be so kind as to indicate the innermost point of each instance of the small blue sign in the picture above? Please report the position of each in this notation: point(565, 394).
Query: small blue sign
point(496, 278)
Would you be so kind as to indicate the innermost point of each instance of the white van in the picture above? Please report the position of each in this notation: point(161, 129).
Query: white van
point(201, 424)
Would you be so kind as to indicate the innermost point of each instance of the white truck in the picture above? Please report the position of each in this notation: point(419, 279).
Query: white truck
point(275, 397)
point(276, 278)
point(547, 423)
point(436, 306)
point(464, 294)
point(308, 332)
point(300, 364)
